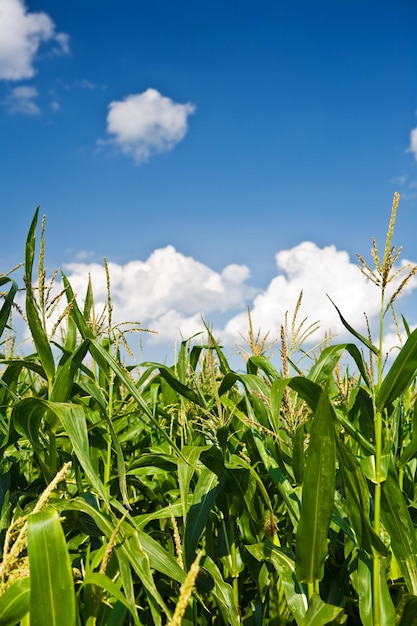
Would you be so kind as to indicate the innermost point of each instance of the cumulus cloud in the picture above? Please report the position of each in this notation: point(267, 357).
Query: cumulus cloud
point(21, 100)
point(147, 123)
point(21, 35)
point(317, 272)
point(168, 292)
point(171, 293)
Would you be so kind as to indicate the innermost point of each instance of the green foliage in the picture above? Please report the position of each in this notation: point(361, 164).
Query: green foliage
point(198, 495)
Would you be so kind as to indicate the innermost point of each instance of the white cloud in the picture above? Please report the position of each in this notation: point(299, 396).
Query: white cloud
point(22, 100)
point(317, 272)
point(413, 142)
point(21, 35)
point(169, 292)
point(147, 123)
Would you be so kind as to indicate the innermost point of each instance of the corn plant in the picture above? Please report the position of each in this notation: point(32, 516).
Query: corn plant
point(194, 494)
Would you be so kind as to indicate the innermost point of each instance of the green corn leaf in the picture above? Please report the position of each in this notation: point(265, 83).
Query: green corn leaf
point(7, 305)
point(318, 495)
point(320, 613)
point(227, 383)
point(409, 452)
point(400, 375)
point(30, 245)
point(264, 364)
point(205, 494)
point(142, 558)
point(14, 602)
point(406, 612)
point(65, 374)
point(39, 336)
point(307, 389)
point(103, 582)
point(358, 501)
point(362, 582)
point(52, 598)
point(284, 562)
point(329, 358)
point(176, 384)
point(75, 313)
point(186, 468)
point(354, 332)
point(406, 326)
point(223, 363)
point(30, 411)
point(397, 521)
point(222, 592)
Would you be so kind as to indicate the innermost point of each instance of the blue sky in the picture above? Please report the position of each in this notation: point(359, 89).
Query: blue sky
point(218, 153)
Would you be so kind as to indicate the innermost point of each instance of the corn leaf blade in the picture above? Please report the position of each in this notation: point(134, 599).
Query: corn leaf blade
point(318, 495)
point(52, 598)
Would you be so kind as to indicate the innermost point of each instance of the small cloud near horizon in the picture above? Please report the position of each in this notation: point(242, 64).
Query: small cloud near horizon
point(171, 293)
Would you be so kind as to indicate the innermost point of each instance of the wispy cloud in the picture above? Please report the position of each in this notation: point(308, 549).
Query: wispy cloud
point(21, 35)
point(413, 142)
point(147, 123)
point(21, 100)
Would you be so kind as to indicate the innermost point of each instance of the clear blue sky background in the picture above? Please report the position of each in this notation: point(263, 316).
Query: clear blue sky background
point(301, 131)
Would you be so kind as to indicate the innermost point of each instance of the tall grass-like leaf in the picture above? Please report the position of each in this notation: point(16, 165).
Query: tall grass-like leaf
point(14, 602)
point(186, 468)
point(400, 375)
point(278, 477)
point(330, 356)
point(130, 550)
point(397, 521)
point(176, 384)
point(101, 581)
point(205, 495)
point(354, 332)
point(222, 592)
point(73, 420)
point(39, 336)
point(7, 305)
point(264, 364)
point(30, 244)
point(318, 495)
point(358, 501)
point(52, 598)
point(362, 583)
point(65, 374)
point(284, 563)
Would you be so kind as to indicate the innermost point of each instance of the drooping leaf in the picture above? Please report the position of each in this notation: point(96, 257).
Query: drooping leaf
point(354, 332)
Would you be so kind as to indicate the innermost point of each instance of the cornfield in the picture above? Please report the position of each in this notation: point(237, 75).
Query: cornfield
point(197, 495)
